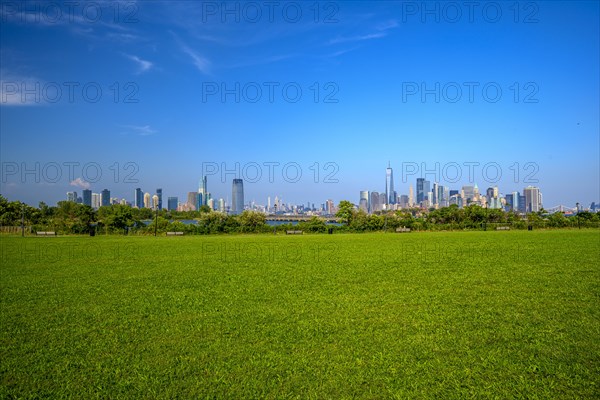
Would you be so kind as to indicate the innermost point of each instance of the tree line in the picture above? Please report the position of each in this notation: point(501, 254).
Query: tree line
point(68, 217)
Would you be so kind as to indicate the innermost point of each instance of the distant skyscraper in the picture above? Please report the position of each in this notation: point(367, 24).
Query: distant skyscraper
point(404, 201)
point(493, 197)
point(159, 195)
point(375, 202)
point(147, 200)
point(455, 199)
point(476, 196)
point(522, 207)
point(139, 198)
point(87, 197)
point(105, 195)
point(512, 202)
point(155, 202)
point(72, 196)
point(390, 195)
point(533, 199)
point(330, 207)
point(96, 200)
point(203, 191)
point(237, 196)
point(420, 190)
point(469, 193)
point(428, 197)
point(411, 196)
point(192, 201)
point(363, 203)
point(172, 203)
point(423, 190)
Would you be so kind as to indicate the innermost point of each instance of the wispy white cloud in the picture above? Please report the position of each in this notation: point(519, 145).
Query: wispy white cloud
point(357, 38)
point(384, 26)
point(203, 64)
point(18, 90)
point(144, 130)
point(143, 65)
point(341, 52)
point(380, 31)
point(100, 26)
point(80, 183)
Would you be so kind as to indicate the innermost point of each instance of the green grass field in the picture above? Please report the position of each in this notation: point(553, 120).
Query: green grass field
point(418, 315)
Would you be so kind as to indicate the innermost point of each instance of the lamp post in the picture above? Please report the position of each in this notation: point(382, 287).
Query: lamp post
point(156, 222)
point(22, 219)
point(577, 210)
point(486, 217)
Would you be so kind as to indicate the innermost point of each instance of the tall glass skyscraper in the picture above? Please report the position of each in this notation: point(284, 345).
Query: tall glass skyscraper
point(427, 189)
point(423, 189)
point(139, 198)
point(172, 203)
point(105, 196)
point(237, 196)
point(159, 194)
point(87, 197)
point(420, 190)
point(390, 195)
point(203, 191)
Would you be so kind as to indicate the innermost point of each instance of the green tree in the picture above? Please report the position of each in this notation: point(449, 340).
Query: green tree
point(558, 220)
point(119, 217)
point(314, 224)
point(374, 222)
point(214, 222)
point(251, 221)
point(346, 212)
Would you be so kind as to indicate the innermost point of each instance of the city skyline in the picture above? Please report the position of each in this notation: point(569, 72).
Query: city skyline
point(442, 172)
point(428, 195)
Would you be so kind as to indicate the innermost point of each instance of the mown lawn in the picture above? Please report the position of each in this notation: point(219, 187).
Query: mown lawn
point(417, 315)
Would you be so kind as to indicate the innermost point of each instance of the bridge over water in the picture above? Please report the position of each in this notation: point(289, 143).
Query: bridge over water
point(299, 218)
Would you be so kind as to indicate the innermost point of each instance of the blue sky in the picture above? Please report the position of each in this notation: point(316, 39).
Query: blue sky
point(411, 83)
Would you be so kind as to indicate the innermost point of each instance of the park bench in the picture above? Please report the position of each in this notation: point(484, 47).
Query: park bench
point(503, 228)
point(401, 230)
point(293, 232)
point(45, 233)
point(174, 233)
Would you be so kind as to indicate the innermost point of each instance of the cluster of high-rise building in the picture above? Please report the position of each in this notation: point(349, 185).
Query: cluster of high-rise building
point(195, 199)
point(146, 200)
point(278, 206)
point(433, 195)
point(95, 200)
point(202, 197)
point(424, 195)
